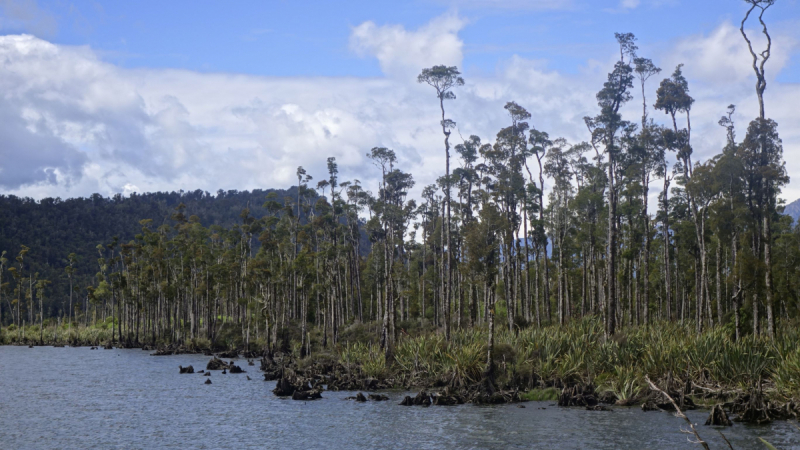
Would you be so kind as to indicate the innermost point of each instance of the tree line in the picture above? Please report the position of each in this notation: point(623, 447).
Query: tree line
point(481, 247)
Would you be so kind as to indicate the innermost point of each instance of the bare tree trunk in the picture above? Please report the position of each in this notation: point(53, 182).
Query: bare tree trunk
point(611, 264)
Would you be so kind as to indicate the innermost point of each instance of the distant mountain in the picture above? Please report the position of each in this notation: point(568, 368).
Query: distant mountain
point(793, 210)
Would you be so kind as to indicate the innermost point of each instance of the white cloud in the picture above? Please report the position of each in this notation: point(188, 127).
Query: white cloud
point(403, 53)
point(722, 57)
point(629, 4)
point(72, 124)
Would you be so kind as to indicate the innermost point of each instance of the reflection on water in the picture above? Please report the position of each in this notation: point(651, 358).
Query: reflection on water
point(81, 398)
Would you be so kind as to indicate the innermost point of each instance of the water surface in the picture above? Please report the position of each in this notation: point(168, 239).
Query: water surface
point(82, 398)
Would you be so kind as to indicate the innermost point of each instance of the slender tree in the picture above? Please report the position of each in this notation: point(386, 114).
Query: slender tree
point(443, 79)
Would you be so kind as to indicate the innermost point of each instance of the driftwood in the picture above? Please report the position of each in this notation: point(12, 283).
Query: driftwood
point(679, 413)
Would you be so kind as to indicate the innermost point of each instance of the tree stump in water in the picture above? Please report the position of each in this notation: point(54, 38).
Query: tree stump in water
point(229, 354)
point(216, 364)
point(189, 369)
point(360, 397)
point(208, 381)
point(751, 408)
point(578, 395)
point(650, 406)
point(408, 401)
point(718, 417)
point(284, 388)
point(422, 399)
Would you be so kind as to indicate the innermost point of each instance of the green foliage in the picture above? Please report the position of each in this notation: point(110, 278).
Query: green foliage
point(579, 353)
point(368, 359)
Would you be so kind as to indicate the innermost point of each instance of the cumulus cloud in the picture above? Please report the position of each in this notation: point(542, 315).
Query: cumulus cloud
point(722, 57)
point(629, 4)
point(401, 52)
point(73, 124)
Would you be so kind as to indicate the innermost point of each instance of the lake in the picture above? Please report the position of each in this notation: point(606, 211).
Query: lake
point(123, 398)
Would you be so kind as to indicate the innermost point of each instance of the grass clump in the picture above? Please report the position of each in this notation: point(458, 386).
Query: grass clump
point(549, 394)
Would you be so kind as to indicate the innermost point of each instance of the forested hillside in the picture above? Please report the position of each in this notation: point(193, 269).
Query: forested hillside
point(793, 210)
point(54, 228)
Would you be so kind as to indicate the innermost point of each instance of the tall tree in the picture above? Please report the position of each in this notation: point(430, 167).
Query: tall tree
point(769, 149)
point(649, 159)
point(443, 79)
point(605, 128)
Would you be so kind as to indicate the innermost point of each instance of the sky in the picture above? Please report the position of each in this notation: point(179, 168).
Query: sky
point(121, 97)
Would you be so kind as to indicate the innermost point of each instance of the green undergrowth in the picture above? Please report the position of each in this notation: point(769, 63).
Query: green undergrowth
point(579, 353)
point(533, 359)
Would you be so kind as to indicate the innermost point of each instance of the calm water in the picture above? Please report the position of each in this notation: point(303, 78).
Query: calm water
point(81, 398)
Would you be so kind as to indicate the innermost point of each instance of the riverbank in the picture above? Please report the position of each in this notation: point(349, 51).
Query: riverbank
point(79, 398)
point(575, 361)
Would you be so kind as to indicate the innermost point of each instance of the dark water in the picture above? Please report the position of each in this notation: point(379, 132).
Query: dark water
point(81, 398)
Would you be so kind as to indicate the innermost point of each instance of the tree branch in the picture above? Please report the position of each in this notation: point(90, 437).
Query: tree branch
point(678, 412)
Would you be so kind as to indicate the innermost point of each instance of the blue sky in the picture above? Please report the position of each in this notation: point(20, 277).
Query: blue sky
point(310, 38)
point(164, 95)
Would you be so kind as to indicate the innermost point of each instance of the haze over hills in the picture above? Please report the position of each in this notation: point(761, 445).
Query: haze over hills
point(793, 210)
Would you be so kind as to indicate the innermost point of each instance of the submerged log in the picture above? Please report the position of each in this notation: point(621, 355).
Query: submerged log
point(307, 395)
point(598, 408)
point(378, 397)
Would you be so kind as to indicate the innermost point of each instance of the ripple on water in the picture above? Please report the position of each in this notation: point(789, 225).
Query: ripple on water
point(77, 398)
